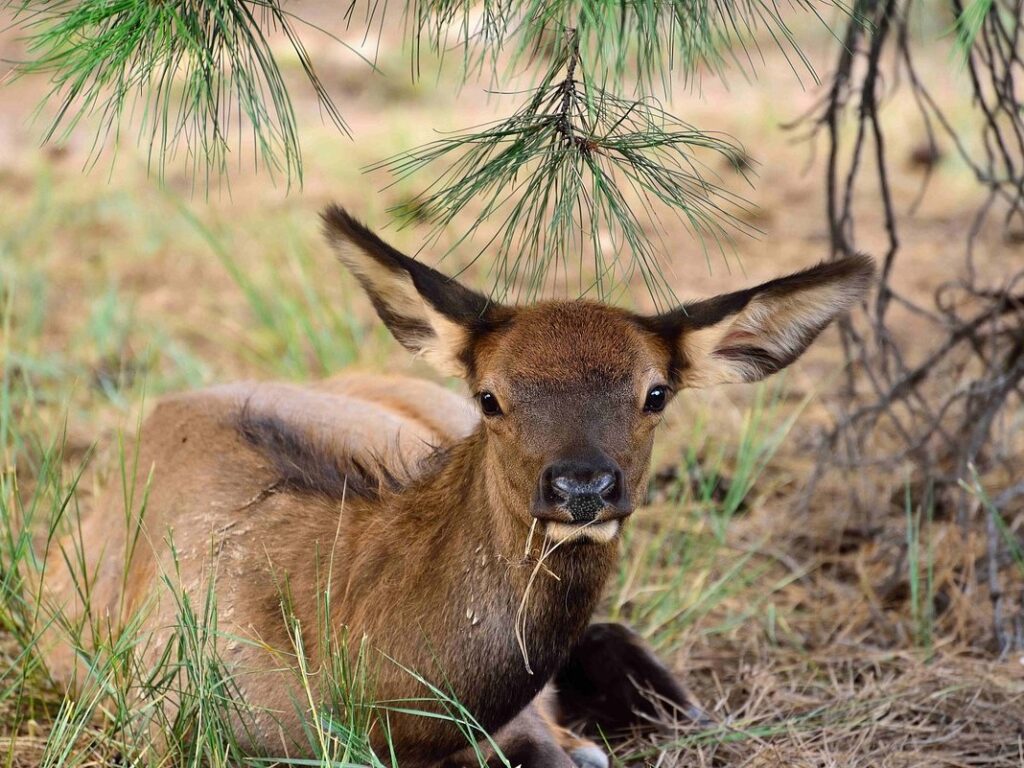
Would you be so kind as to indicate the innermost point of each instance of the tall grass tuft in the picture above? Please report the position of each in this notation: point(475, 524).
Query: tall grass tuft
point(921, 568)
point(299, 332)
point(156, 697)
point(679, 567)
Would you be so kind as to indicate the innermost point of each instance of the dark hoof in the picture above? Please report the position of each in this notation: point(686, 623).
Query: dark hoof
point(613, 682)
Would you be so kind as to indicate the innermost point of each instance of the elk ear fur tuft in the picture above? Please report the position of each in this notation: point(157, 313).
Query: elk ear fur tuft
point(751, 334)
point(428, 313)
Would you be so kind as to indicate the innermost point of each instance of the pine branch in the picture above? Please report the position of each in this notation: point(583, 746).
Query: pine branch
point(623, 44)
point(588, 163)
point(557, 175)
point(193, 75)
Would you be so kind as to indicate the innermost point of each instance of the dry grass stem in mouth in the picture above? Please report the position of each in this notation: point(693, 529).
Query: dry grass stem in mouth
point(529, 539)
point(545, 553)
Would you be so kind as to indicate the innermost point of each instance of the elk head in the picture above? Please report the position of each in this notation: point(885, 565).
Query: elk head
point(570, 392)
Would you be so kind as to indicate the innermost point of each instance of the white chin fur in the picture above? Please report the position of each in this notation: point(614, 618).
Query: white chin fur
point(601, 533)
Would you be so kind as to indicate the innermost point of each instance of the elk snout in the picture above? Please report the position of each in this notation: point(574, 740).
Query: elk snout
point(581, 492)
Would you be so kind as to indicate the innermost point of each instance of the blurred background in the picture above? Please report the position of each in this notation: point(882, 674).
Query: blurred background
point(831, 561)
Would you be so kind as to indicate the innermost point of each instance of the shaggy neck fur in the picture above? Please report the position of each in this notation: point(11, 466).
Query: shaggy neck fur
point(435, 577)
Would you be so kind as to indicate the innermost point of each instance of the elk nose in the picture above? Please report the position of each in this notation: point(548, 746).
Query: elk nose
point(567, 486)
point(581, 489)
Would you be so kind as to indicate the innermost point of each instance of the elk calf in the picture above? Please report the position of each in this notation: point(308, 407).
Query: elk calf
point(423, 513)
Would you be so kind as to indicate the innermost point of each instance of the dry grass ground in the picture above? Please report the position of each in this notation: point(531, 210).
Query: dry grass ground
point(821, 638)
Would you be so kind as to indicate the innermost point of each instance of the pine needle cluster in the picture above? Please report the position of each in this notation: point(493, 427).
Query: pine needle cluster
point(197, 76)
point(585, 169)
point(556, 175)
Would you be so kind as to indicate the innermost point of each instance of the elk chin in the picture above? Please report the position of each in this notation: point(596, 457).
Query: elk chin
point(568, 533)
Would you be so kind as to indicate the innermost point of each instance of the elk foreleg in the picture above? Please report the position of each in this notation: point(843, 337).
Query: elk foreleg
point(613, 682)
point(533, 739)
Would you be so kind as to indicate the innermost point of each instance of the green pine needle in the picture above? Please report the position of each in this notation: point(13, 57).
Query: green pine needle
point(622, 43)
point(590, 162)
point(556, 177)
point(195, 76)
point(968, 24)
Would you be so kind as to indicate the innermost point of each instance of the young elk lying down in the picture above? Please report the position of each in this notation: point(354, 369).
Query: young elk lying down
point(423, 514)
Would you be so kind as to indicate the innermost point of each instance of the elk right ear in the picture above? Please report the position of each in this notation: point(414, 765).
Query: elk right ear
point(430, 314)
point(751, 334)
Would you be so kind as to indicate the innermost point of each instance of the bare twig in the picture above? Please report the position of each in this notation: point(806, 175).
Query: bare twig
point(945, 412)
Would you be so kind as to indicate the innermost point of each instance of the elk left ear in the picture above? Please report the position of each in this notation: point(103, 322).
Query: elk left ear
point(751, 334)
point(430, 314)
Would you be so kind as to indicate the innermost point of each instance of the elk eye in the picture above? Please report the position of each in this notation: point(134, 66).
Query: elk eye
point(656, 399)
point(489, 404)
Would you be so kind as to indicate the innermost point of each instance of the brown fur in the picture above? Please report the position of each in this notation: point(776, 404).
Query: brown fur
point(418, 513)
